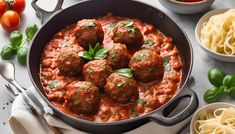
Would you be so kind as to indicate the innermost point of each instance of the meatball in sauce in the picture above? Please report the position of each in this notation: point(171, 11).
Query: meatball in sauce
point(89, 32)
point(68, 61)
point(122, 89)
point(118, 56)
point(147, 66)
point(127, 32)
point(96, 71)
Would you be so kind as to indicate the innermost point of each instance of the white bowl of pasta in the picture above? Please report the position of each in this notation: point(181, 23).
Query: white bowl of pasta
point(215, 32)
point(215, 118)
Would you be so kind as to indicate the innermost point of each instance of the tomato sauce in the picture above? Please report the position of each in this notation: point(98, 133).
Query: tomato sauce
point(151, 95)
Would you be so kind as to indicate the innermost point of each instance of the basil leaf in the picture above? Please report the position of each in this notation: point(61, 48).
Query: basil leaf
point(125, 72)
point(141, 101)
point(91, 24)
point(22, 55)
point(86, 55)
point(128, 24)
point(149, 42)
point(30, 31)
point(16, 38)
point(101, 54)
point(53, 84)
point(8, 52)
point(90, 50)
point(97, 47)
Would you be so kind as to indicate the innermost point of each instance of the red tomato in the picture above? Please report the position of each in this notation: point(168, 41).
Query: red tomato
point(16, 5)
point(10, 20)
point(3, 7)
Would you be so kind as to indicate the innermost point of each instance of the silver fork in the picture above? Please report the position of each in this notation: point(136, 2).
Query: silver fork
point(13, 94)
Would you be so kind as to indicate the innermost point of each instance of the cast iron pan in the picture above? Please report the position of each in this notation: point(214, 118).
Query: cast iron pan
point(127, 8)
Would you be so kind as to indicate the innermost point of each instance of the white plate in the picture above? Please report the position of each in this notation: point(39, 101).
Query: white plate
point(205, 18)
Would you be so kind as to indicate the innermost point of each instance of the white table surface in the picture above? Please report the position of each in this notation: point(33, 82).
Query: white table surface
point(202, 63)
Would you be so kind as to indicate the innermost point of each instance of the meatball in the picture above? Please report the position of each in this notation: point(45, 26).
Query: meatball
point(122, 89)
point(146, 65)
point(82, 97)
point(97, 71)
point(127, 32)
point(118, 56)
point(68, 62)
point(89, 31)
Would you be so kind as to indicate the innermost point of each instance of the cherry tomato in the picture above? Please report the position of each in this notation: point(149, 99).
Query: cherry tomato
point(16, 5)
point(10, 20)
point(3, 7)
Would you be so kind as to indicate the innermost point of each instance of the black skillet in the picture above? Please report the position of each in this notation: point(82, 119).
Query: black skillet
point(127, 8)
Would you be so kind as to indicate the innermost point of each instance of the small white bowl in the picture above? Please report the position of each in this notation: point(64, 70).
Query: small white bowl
point(186, 7)
point(209, 107)
point(205, 18)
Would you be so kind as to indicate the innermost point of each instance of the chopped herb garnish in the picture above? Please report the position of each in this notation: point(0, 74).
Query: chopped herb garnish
point(113, 55)
point(141, 101)
point(149, 42)
point(166, 65)
point(122, 83)
point(91, 24)
point(133, 113)
point(165, 61)
point(88, 71)
point(112, 25)
point(53, 84)
point(128, 24)
point(132, 31)
point(125, 72)
point(139, 57)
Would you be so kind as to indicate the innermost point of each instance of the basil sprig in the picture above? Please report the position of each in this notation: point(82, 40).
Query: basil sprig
point(16, 45)
point(96, 53)
point(125, 72)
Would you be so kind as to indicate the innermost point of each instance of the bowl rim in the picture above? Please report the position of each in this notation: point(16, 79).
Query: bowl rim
point(189, 3)
point(195, 115)
point(200, 23)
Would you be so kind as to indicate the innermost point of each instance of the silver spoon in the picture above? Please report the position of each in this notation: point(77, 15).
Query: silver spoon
point(7, 71)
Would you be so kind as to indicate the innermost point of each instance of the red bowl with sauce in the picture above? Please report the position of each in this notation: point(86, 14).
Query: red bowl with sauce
point(144, 15)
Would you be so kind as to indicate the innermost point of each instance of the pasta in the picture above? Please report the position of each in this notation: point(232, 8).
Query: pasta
point(218, 34)
point(219, 121)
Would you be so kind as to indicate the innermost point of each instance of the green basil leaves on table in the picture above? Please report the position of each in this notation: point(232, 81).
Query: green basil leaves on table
point(223, 85)
point(215, 76)
point(16, 45)
point(22, 55)
point(213, 94)
point(96, 53)
point(8, 52)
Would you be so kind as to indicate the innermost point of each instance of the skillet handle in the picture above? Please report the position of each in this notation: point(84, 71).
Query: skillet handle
point(188, 111)
point(42, 14)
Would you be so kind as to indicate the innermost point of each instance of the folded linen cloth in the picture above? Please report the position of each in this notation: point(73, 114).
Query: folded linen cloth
point(23, 121)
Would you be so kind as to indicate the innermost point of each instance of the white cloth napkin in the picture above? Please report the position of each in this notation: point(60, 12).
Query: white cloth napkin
point(23, 121)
